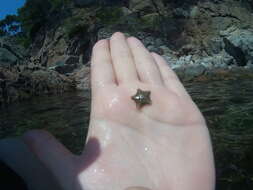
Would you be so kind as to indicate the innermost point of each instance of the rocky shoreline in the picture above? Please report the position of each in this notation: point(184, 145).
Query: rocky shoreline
point(199, 40)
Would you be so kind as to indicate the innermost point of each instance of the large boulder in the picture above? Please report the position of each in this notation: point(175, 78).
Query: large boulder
point(82, 78)
point(16, 85)
point(83, 3)
point(10, 52)
point(239, 44)
point(146, 6)
point(67, 64)
point(7, 58)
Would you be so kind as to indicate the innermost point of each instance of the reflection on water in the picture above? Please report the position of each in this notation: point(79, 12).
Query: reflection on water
point(227, 106)
point(66, 116)
point(228, 109)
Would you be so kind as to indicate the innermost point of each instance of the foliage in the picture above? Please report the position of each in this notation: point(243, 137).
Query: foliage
point(9, 26)
point(58, 4)
point(74, 26)
point(2, 32)
point(77, 29)
point(36, 13)
point(33, 13)
point(109, 15)
point(23, 40)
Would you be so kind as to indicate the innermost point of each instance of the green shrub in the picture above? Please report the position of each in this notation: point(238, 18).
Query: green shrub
point(36, 13)
point(109, 15)
point(33, 15)
point(58, 4)
point(77, 29)
point(23, 41)
point(74, 26)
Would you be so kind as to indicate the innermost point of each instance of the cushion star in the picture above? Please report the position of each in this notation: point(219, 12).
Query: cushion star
point(142, 98)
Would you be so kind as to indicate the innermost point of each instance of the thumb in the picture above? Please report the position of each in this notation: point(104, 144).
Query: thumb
point(59, 160)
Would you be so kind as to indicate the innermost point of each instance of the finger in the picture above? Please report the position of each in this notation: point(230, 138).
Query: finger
point(145, 63)
point(102, 72)
point(122, 59)
point(137, 188)
point(51, 152)
point(18, 156)
point(169, 76)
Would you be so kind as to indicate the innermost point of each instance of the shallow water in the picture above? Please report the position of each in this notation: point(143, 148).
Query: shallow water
point(227, 106)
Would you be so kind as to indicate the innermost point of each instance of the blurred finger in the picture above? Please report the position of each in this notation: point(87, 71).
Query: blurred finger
point(51, 152)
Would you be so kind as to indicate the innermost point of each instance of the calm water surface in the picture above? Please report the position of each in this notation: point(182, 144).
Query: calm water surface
point(227, 106)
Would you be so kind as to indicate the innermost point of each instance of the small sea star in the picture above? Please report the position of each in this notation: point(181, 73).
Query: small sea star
point(142, 98)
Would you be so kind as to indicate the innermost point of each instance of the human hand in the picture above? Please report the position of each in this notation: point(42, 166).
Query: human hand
point(162, 146)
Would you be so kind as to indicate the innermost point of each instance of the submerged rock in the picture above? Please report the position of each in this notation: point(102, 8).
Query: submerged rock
point(16, 85)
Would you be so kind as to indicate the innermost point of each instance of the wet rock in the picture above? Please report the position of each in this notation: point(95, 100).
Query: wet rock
point(82, 78)
point(16, 85)
point(150, 20)
point(10, 53)
point(194, 71)
point(189, 72)
point(239, 44)
point(13, 47)
point(214, 46)
point(66, 64)
point(141, 5)
point(236, 52)
point(83, 3)
point(146, 6)
point(7, 58)
point(64, 69)
point(181, 13)
point(71, 60)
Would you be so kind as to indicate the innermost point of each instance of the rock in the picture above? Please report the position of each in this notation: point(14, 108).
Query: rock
point(7, 58)
point(82, 78)
point(141, 5)
point(194, 12)
point(125, 11)
point(71, 60)
point(10, 52)
point(181, 13)
point(16, 85)
point(150, 20)
point(159, 42)
point(66, 64)
point(146, 6)
point(214, 46)
point(165, 50)
point(83, 3)
point(13, 47)
point(65, 69)
point(236, 52)
point(195, 71)
point(239, 44)
point(187, 73)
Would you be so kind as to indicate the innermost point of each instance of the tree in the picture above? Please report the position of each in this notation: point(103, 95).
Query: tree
point(36, 13)
point(2, 32)
point(9, 25)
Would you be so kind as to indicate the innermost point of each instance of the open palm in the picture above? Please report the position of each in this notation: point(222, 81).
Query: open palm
point(162, 146)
